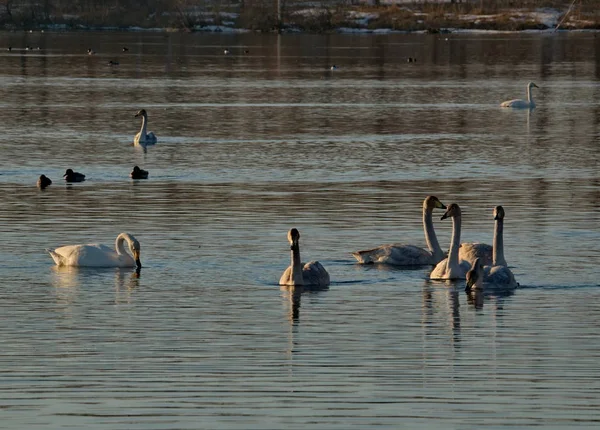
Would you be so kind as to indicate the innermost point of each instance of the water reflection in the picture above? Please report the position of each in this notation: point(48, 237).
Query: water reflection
point(68, 280)
point(292, 297)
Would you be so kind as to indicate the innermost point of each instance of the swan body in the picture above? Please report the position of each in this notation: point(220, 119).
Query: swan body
point(311, 274)
point(485, 253)
point(43, 181)
point(498, 273)
point(95, 255)
point(138, 173)
point(409, 255)
point(470, 251)
point(144, 138)
point(452, 267)
point(522, 104)
point(71, 176)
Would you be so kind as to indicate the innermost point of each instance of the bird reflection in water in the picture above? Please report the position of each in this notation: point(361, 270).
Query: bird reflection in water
point(441, 299)
point(125, 283)
point(292, 295)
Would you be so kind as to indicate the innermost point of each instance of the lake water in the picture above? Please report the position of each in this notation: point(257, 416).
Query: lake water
point(253, 143)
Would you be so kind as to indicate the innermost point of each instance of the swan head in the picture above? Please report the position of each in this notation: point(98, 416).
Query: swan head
point(474, 275)
point(432, 202)
point(134, 247)
point(532, 85)
point(452, 211)
point(141, 113)
point(68, 172)
point(293, 238)
point(498, 212)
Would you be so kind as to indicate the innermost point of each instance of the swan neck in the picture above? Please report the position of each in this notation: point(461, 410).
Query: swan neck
point(529, 96)
point(430, 236)
point(296, 266)
point(144, 125)
point(454, 242)
point(120, 244)
point(498, 244)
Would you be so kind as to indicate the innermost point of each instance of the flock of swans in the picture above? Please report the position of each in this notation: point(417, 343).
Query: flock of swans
point(478, 263)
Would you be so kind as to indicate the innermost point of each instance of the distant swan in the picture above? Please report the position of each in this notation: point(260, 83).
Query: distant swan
point(71, 176)
point(138, 173)
point(297, 274)
point(144, 138)
point(90, 51)
point(95, 255)
point(452, 267)
point(409, 255)
point(522, 104)
point(43, 182)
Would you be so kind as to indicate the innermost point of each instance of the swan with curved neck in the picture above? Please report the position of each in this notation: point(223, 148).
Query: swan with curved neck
point(95, 255)
point(452, 267)
point(409, 255)
point(143, 137)
point(475, 277)
point(298, 274)
point(522, 104)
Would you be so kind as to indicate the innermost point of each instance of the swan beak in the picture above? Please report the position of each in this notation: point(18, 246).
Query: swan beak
point(440, 205)
point(444, 216)
point(136, 115)
point(535, 85)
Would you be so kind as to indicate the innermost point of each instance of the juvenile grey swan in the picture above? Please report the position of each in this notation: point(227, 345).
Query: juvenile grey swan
point(298, 274)
point(475, 277)
point(95, 255)
point(409, 255)
point(520, 103)
point(143, 137)
point(452, 267)
point(498, 272)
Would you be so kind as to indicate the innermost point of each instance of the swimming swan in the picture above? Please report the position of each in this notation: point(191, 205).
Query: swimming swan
point(71, 176)
point(522, 104)
point(143, 138)
point(498, 272)
point(452, 267)
point(409, 255)
point(43, 182)
point(95, 255)
point(297, 274)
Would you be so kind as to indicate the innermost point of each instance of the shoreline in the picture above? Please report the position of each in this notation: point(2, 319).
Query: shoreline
point(431, 18)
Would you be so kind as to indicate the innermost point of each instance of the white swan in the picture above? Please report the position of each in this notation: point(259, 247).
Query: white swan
point(498, 272)
point(452, 267)
point(522, 104)
point(144, 138)
point(409, 255)
point(95, 255)
point(297, 274)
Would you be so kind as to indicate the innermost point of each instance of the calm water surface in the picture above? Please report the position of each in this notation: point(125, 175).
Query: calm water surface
point(252, 144)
